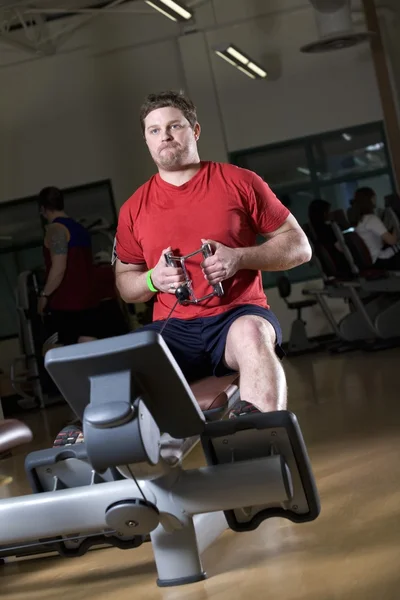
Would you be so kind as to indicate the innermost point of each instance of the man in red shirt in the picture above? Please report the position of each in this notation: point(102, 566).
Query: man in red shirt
point(189, 202)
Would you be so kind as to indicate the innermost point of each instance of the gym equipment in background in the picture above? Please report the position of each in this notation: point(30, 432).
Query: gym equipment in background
point(28, 376)
point(373, 321)
point(298, 341)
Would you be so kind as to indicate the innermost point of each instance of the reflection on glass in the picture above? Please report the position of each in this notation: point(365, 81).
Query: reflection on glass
point(330, 166)
point(341, 194)
point(30, 259)
point(90, 204)
point(21, 239)
point(19, 224)
point(282, 165)
point(345, 153)
point(297, 202)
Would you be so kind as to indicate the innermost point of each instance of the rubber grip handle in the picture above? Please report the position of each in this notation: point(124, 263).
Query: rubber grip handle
point(207, 251)
point(168, 259)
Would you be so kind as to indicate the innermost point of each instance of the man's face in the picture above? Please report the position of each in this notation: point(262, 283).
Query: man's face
point(170, 139)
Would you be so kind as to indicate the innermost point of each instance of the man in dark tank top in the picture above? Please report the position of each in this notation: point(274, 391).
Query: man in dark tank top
point(67, 297)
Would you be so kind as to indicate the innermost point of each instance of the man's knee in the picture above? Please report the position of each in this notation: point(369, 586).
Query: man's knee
point(248, 337)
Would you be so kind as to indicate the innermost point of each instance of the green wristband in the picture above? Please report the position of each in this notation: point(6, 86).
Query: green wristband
point(149, 281)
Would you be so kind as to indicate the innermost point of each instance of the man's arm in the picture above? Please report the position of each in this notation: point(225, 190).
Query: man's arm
point(57, 243)
point(131, 282)
point(131, 279)
point(284, 249)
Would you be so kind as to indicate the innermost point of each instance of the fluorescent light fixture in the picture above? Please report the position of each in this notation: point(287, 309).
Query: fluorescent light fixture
point(171, 9)
point(238, 55)
point(231, 62)
point(257, 70)
point(241, 61)
point(303, 170)
point(346, 136)
point(251, 75)
point(375, 147)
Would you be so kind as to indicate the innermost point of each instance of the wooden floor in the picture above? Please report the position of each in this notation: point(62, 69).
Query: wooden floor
point(349, 409)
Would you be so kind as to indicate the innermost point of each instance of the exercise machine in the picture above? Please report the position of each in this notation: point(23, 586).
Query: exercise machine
point(28, 376)
point(126, 483)
point(299, 342)
point(373, 296)
point(186, 294)
point(27, 373)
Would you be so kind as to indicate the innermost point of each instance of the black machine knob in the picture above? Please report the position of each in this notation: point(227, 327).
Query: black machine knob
point(182, 294)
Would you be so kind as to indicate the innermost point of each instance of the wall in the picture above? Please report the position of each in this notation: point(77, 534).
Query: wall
point(72, 118)
point(307, 94)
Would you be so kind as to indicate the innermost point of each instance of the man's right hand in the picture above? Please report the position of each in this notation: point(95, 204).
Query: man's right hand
point(165, 278)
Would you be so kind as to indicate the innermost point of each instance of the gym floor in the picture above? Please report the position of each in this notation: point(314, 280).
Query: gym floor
point(349, 410)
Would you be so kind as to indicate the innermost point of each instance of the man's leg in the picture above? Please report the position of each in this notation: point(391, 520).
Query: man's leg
point(250, 349)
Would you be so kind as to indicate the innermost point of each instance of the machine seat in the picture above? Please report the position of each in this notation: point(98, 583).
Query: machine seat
point(300, 304)
point(13, 433)
point(214, 393)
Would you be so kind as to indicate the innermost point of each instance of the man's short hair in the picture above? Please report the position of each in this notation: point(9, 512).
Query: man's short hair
point(51, 198)
point(169, 98)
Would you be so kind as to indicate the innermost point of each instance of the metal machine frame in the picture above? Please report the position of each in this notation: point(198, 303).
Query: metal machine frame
point(126, 482)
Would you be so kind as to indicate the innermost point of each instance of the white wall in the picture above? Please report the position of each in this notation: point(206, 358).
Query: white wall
point(73, 118)
point(308, 94)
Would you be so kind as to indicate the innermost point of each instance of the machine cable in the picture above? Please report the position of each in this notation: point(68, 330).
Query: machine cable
point(137, 483)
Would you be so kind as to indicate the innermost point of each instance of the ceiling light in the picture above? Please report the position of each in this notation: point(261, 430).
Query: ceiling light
point(238, 55)
point(375, 147)
point(257, 70)
point(303, 170)
point(171, 9)
point(346, 136)
point(238, 59)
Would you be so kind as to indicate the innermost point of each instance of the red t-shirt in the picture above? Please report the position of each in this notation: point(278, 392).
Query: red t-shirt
point(221, 202)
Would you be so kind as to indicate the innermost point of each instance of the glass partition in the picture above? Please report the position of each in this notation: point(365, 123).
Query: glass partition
point(22, 231)
point(331, 166)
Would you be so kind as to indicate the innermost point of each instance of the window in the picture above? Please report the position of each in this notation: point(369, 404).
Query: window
point(21, 238)
point(346, 153)
point(329, 166)
point(278, 165)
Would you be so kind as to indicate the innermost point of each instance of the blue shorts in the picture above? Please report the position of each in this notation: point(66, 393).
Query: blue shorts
point(198, 345)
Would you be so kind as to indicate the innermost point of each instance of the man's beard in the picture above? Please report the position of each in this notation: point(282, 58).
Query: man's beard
point(171, 158)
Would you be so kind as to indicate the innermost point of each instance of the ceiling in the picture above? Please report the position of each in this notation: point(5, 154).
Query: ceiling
point(55, 4)
point(25, 24)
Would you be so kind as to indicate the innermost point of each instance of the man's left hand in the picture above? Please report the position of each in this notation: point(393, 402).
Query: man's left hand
point(41, 305)
point(222, 265)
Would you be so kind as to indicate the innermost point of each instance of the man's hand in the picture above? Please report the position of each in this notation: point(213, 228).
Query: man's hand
point(41, 305)
point(223, 264)
point(166, 278)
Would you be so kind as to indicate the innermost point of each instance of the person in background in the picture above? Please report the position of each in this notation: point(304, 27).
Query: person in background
point(66, 302)
point(393, 201)
point(319, 216)
point(383, 246)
